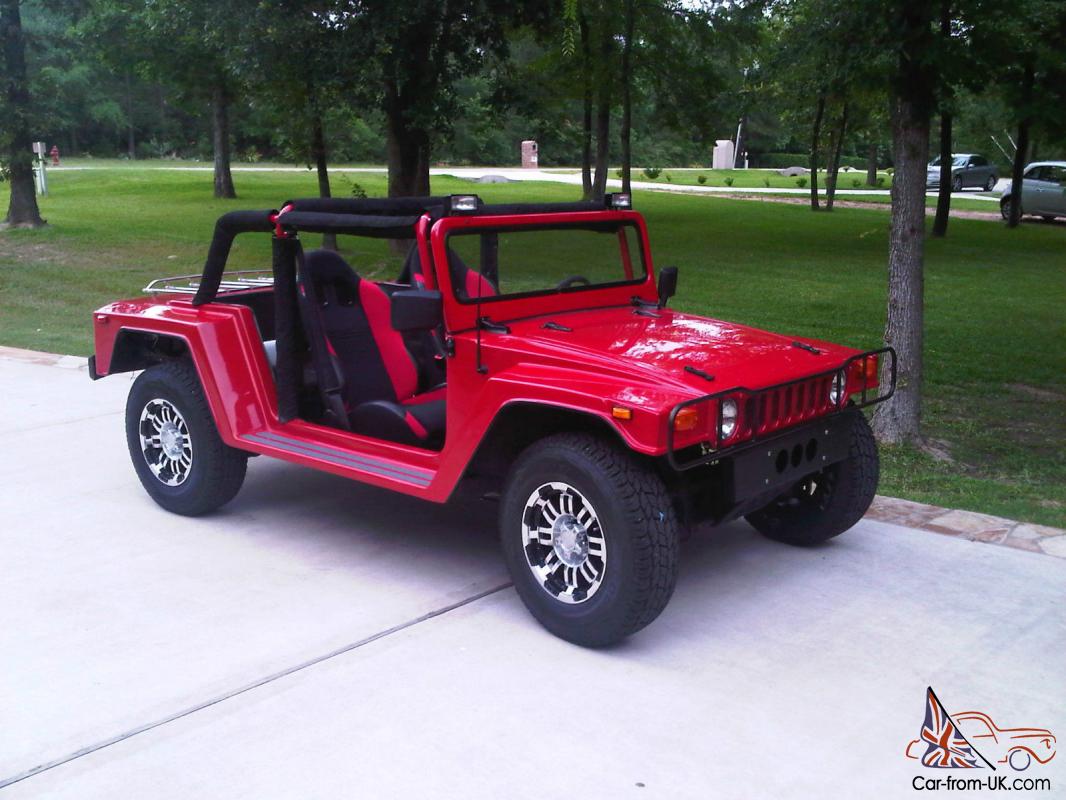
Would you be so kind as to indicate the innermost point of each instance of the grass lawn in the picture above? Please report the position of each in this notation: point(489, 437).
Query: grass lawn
point(995, 364)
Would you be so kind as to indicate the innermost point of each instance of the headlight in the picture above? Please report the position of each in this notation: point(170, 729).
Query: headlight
point(836, 388)
point(729, 419)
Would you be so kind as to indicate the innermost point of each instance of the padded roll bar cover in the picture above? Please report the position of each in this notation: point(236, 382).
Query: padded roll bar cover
point(286, 254)
point(372, 225)
point(226, 230)
point(373, 206)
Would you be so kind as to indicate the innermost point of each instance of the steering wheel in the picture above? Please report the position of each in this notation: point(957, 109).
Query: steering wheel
point(566, 283)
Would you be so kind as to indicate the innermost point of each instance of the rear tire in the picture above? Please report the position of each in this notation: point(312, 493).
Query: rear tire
point(579, 492)
point(177, 453)
point(956, 184)
point(1004, 208)
point(829, 502)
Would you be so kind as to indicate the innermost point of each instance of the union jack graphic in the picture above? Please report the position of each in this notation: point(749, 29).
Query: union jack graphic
point(947, 748)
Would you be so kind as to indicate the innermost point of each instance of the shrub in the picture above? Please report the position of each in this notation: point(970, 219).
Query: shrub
point(702, 179)
point(729, 181)
point(856, 183)
point(669, 177)
point(651, 173)
point(801, 182)
point(358, 190)
point(618, 174)
point(766, 182)
point(880, 180)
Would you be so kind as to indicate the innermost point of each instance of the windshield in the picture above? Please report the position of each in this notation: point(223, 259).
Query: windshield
point(502, 263)
point(956, 161)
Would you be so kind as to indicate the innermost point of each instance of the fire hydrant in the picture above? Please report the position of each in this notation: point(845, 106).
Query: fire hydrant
point(54, 152)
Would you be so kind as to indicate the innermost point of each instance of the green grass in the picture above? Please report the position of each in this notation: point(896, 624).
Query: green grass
point(995, 327)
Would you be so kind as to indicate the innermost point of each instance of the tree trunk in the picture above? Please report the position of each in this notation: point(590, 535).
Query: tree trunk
point(22, 209)
point(943, 197)
point(318, 150)
point(586, 130)
point(603, 115)
point(898, 420)
point(220, 141)
point(131, 139)
point(627, 97)
point(871, 166)
point(834, 165)
point(816, 133)
point(1021, 151)
point(408, 150)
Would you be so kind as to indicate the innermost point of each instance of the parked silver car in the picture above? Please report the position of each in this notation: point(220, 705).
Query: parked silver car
point(1043, 191)
point(967, 169)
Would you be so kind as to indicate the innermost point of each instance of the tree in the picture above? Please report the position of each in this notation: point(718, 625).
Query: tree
point(292, 60)
point(913, 77)
point(16, 120)
point(1033, 76)
point(189, 45)
point(411, 55)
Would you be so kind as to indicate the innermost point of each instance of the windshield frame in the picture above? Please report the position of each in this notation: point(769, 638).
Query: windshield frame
point(461, 313)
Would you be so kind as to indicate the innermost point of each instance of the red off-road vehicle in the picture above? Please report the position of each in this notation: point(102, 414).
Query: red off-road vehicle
point(524, 347)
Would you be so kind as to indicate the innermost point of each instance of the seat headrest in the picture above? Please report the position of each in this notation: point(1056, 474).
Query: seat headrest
point(323, 266)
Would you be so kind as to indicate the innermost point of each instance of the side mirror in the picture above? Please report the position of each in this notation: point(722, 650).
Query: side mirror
point(417, 310)
point(667, 284)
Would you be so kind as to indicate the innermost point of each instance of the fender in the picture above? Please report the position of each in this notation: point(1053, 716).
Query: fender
point(223, 344)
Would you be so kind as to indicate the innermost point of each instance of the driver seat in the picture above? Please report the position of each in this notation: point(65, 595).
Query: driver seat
point(367, 378)
point(468, 283)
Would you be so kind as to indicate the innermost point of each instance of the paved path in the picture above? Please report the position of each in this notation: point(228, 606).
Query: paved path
point(322, 639)
point(574, 179)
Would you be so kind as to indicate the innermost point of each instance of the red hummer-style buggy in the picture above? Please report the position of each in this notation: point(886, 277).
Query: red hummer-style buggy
point(525, 347)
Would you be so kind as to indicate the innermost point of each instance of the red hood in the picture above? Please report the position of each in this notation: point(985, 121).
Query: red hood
point(735, 355)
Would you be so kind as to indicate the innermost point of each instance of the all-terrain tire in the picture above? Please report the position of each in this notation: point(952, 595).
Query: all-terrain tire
point(216, 471)
point(829, 502)
point(635, 518)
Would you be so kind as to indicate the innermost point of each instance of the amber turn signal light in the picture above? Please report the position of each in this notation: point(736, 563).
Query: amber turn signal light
point(621, 412)
point(686, 419)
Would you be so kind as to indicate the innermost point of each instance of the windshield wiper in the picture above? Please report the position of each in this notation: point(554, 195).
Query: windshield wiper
point(640, 302)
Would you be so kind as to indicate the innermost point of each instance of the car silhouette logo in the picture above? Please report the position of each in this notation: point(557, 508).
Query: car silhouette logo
point(971, 739)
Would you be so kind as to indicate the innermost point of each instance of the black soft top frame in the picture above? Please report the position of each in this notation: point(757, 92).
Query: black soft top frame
point(382, 218)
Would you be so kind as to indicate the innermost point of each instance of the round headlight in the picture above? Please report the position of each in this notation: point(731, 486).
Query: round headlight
point(836, 388)
point(729, 419)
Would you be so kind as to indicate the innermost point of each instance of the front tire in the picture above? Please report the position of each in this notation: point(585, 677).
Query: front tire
point(956, 183)
point(990, 184)
point(176, 451)
point(829, 502)
point(590, 538)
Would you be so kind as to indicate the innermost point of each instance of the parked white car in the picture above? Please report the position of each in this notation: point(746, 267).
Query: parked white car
point(1043, 191)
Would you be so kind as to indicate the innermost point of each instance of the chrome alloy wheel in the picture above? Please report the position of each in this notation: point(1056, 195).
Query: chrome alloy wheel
point(564, 543)
point(165, 442)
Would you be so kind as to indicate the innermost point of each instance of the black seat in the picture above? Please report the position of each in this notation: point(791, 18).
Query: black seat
point(368, 380)
point(468, 283)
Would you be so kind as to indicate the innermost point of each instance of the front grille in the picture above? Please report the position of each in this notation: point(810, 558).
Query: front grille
point(788, 405)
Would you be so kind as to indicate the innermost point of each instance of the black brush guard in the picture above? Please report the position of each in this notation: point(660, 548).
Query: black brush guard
point(746, 400)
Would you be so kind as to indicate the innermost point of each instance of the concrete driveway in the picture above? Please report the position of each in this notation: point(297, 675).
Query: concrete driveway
point(322, 639)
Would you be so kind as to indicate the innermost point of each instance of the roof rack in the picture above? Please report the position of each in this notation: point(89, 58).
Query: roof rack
point(236, 281)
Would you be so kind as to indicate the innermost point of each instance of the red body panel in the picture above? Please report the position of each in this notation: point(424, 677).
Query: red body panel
point(612, 356)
